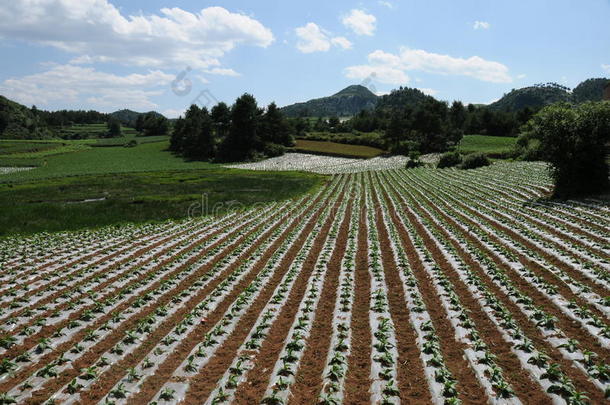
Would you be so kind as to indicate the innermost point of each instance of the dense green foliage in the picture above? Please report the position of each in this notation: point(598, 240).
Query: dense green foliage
point(243, 132)
point(590, 90)
point(573, 140)
point(114, 128)
point(152, 124)
point(533, 97)
point(129, 117)
point(413, 121)
point(449, 159)
point(347, 102)
point(474, 160)
point(20, 122)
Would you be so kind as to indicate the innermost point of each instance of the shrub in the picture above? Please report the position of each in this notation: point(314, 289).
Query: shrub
point(413, 160)
point(274, 149)
point(573, 140)
point(474, 160)
point(449, 159)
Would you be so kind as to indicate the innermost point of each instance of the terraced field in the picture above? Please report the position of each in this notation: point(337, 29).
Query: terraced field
point(389, 286)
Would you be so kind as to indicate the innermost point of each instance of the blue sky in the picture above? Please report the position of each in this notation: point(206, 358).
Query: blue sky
point(111, 54)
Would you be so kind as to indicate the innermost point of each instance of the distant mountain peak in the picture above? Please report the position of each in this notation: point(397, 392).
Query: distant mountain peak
point(355, 89)
point(347, 102)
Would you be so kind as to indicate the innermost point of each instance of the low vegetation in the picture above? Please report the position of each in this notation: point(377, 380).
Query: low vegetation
point(336, 149)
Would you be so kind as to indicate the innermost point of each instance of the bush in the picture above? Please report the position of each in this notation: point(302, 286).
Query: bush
point(131, 144)
point(449, 159)
point(573, 140)
point(273, 150)
point(474, 160)
point(413, 161)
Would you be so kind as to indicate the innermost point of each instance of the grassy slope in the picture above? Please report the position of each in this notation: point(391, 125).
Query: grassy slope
point(337, 149)
point(144, 183)
point(494, 146)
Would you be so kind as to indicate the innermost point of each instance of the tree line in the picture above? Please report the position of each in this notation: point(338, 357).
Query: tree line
point(238, 133)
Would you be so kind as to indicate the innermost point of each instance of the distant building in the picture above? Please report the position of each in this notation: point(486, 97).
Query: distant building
point(607, 92)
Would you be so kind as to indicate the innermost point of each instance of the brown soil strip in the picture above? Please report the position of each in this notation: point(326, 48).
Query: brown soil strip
point(357, 379)
point(571, 328)
point(308, 380)
point(526, 325)
point(204, 382)
point(118, 334)
point(150, 387)
point(468, 387)
point(411, 380)
point(523, 385)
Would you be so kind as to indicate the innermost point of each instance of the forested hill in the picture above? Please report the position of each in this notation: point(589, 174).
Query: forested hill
point(129, 117)
point(541, 95)
point(20, 122)
point(402, 97)
point(347, 102)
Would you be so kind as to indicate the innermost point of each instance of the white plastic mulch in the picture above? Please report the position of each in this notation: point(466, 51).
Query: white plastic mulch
point(324, 164)
point(7, 170)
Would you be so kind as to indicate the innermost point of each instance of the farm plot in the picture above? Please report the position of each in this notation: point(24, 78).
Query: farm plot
point(389, 286)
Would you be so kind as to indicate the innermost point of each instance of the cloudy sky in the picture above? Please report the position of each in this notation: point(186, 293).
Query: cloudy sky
point(166, 54)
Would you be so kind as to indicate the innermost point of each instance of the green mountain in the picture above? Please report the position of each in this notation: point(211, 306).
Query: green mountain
point(20, 122)
point(129, 117)
point(590, 90)
point(541, 95)
point(535, 97)
point(349, 101)
point(401, 97)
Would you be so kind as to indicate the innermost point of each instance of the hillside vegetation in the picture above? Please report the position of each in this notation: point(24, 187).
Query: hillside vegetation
point(541, 95)
point(347, 102)
point(19, 122)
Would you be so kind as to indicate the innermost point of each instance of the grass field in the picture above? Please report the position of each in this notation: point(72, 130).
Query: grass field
point(336, 149)
point(143, 183)
point(493, 146)
point(417, 286)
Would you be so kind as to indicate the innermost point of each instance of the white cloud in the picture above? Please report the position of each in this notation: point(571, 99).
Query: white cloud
point(606, 68)
point(96, 31)
point(360, 22)
point(69, 84)
point(341, 42)
point(390, 66)
point(521, 76)
point(171, 113)
point(223, 72)
point(481, 25)
point(386, 4)
point(312, 38)
point(383, 74)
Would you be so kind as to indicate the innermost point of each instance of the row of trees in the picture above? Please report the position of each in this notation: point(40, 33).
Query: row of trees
point(410, 120)
point(70, 117)
point(151, 124)
point(232, 134)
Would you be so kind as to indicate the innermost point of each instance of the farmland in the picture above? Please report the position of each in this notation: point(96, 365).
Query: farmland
point(383, 286)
